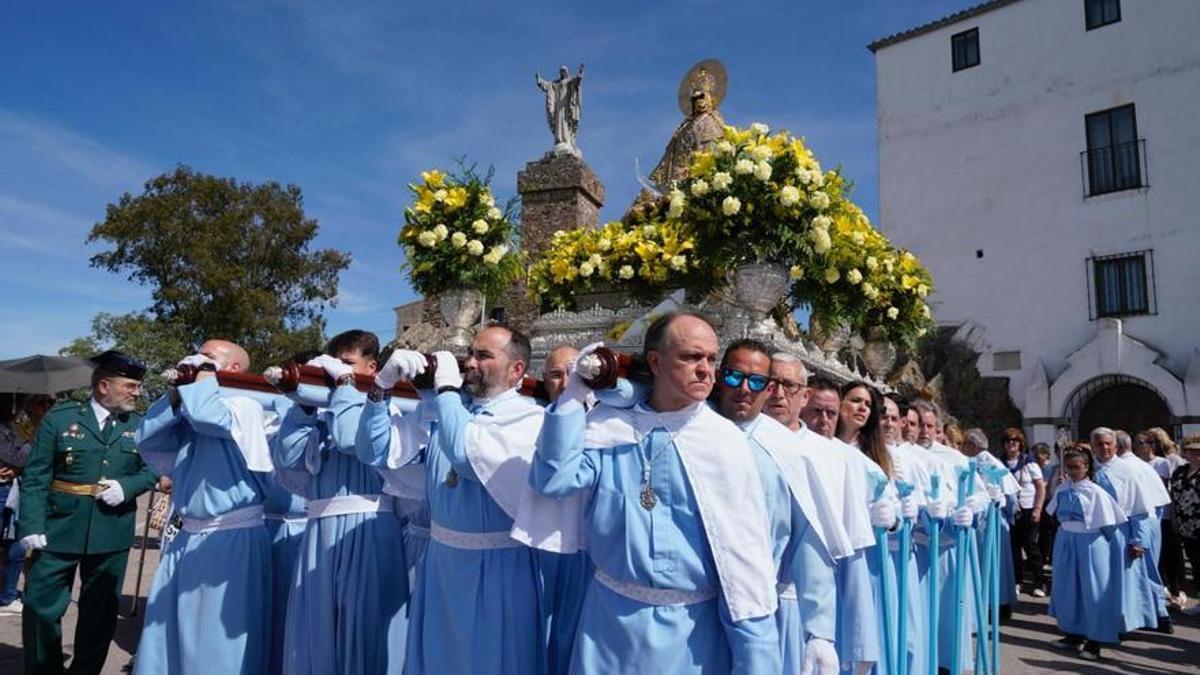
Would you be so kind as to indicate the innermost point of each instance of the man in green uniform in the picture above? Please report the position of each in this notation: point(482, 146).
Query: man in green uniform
point(77, 511)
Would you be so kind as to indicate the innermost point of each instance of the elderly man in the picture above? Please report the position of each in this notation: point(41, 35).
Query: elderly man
point(676, 519)
point(1140, 493)
point(557, 368)
point(475, 607)
point(807, 616)
point(346, 595)
point(78, 508)
point(858, 640)
point(210, 600)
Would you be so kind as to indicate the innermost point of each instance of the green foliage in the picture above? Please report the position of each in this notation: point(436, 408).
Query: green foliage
point(224, 259)
point(158, 343)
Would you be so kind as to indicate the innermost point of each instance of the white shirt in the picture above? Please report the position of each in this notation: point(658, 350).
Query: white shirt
point(101, 412)
point(1029, 474)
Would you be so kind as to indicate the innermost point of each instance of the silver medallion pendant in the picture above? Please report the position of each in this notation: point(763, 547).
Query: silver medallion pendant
point(649, 499)
point(451, 478)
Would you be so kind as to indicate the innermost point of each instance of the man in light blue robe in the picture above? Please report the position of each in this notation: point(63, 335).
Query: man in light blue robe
point(476, 607)
point(209, 606)
point(346, 598)
point(285, 519)
point(807, 615)
point(946, 463)
point(1141, 495)
point(859, 641)
point(675, 521)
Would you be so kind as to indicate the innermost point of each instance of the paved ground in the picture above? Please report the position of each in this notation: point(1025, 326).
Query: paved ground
point(1025, 640)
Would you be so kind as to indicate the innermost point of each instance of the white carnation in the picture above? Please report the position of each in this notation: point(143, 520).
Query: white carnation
point(743, 167)
point(760, 128)
point(789, 195)
point(475, 247)
point(700, 188)
point(762, 171)
point(819, 200)
point(722, 180)
point(731, 205)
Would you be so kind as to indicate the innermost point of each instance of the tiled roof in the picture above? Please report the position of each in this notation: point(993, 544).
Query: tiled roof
point(934, 25)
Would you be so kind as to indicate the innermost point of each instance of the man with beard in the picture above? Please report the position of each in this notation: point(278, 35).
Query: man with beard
point(675, 519)
point(807, 614)
point(475, 607)
point(78, 507)
point(208, 609)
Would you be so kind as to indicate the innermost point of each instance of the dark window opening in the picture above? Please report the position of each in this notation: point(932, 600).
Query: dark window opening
point(1113, 158)
point(964, 49)
point(1123, 284)
point(1101, 12)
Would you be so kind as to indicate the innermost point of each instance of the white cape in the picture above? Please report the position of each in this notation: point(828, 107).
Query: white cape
point(819, 498)
point(719, 464)
point(1139, 489)
point(841, 478)
point(500, 444)
point(249, 431)
point(1099, 508)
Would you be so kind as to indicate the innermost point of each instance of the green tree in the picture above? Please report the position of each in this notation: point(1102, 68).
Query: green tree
point(159, 343)
point(224, 259)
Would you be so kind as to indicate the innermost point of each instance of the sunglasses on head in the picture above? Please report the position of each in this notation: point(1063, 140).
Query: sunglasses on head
point(735, 378)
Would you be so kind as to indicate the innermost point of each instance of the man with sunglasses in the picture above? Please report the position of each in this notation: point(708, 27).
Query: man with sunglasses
point(796, 522)
point(675, 519)
point(78, 505)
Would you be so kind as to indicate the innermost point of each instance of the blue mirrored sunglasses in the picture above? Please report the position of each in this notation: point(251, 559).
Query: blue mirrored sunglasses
point(735, 378)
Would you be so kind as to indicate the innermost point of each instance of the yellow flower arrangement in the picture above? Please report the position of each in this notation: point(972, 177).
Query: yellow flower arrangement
point(455, 237)
point(643, 259)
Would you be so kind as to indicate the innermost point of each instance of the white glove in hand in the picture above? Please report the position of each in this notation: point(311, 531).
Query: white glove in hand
point(908, 507)
point(403, 364)
point(977, 503)
point(937, 509)
point(883, 513)
point(447, 374)
point(112, 494)
point(334, 367)
point(820, 658)
point(964, 516)
point(197, 360)
point(587, 365)
point(33, 542)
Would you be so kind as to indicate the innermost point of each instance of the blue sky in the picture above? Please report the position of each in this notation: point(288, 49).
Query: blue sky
point(351, 100)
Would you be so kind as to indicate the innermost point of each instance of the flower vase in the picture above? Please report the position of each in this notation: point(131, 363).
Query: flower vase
point(878, 353)
point(757, 288)
point(461, 309)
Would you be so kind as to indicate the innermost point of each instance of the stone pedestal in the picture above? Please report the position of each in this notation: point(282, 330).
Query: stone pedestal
point(557, 193)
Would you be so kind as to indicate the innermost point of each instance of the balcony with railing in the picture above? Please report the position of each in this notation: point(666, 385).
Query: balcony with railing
point(1113, 168)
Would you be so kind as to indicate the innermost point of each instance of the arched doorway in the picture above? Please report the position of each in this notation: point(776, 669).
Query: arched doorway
point(1117, 402)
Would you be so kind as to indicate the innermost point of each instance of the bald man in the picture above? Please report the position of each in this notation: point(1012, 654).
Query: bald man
point(558, 365)
point(209, 607)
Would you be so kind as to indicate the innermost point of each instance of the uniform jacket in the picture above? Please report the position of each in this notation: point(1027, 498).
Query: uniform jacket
point(70, 446)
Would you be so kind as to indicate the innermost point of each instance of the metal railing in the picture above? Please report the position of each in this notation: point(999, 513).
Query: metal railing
point(1113, 168)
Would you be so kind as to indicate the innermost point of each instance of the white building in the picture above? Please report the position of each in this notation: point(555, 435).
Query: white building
point(1043, 158)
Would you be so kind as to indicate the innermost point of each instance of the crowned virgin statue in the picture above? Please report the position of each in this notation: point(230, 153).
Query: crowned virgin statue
point(700, 94)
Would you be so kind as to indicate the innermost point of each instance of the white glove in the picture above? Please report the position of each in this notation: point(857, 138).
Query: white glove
point(403, 364)
point(937, 509)
point(33, 542)
point(908, 507)
point(197, 360)
point(112, 494)
point(587, 365)
point(820, 658)
point(995, 493)
point(334, 367)
point(977, 503)
point(883, 513)
point(447, 374)
point(964, 516)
